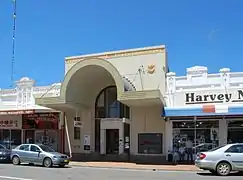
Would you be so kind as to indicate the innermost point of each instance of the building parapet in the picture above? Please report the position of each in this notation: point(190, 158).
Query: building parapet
point(25, 92)
point(197, 78)
point(198, 87)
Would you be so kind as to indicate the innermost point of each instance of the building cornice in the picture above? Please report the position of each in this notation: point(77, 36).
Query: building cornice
point(118, 54)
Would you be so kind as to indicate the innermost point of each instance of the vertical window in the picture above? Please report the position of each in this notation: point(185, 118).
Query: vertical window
point(107, 106)
point(77, 132)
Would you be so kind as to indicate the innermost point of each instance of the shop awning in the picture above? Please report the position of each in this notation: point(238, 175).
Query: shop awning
point(203, 110)
point(13, 110)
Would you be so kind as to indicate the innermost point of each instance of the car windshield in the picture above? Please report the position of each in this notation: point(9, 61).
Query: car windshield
point(216, 148)
point(46, 148)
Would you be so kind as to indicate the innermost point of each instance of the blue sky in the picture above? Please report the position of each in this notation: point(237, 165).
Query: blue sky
point(208, 33)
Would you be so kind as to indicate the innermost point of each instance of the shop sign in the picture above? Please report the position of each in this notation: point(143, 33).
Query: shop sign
point(15, 124)
point(16, 112)
point(87, 142)
point(77, 122)
point(194, 98)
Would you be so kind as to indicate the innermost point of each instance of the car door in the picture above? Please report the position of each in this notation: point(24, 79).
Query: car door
point(35, 154)
point(234, 154)
point(22, 152)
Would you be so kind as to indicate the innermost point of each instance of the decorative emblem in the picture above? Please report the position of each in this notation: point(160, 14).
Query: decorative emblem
point(151, 69)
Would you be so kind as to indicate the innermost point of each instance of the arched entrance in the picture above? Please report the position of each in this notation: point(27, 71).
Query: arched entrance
point(87, 78)
point(93, 87)
point(107, 106)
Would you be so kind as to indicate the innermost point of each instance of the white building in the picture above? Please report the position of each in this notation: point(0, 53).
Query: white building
point(208, 108)
point(21, 120)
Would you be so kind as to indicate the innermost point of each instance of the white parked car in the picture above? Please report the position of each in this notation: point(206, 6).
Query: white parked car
point(222, 160)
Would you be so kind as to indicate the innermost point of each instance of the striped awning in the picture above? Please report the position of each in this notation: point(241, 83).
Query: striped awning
point(204, 110)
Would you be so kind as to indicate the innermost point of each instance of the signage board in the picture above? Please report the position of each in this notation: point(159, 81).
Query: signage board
point(211, 97)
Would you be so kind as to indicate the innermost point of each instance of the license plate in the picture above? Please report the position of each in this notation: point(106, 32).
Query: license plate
point(66, 160)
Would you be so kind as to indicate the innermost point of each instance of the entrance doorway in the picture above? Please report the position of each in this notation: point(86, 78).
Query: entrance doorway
point(112, 141)
point(29, 136)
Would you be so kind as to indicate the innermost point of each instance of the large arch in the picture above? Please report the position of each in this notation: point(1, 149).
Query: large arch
point(86, 78)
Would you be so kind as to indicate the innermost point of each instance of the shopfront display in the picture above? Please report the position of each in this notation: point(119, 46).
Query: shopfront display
point(203, 135)
point(235, 131)
point(41, 128)
point(10, 130)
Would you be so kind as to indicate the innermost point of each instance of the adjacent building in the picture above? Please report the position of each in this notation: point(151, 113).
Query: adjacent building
point(22, 121)
point(206, 108)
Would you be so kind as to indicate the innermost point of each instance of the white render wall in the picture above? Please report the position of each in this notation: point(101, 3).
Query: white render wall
point(130, 62)
point(23, 95)
point(198, 81)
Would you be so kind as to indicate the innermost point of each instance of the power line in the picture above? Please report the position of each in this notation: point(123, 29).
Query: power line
point(13, 42)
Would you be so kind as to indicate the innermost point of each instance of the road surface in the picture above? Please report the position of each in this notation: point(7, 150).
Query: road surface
point(8, 171)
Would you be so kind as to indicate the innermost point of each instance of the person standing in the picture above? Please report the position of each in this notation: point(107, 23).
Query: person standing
point(189, 150)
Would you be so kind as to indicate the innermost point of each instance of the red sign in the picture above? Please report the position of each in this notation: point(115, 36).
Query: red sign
point(40, 121)
point(14, 112)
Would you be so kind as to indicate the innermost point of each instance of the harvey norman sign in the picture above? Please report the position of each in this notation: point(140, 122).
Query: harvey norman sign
point(194, 98)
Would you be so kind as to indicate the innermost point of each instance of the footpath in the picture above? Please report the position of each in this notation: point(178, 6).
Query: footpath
point(120, 165)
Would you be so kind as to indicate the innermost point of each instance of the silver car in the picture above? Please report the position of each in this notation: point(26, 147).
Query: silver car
point(38, 154)
point(222, 160)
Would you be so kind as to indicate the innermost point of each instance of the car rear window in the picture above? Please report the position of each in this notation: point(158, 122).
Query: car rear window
point(215, 149)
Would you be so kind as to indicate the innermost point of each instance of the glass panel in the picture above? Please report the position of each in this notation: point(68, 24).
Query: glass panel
point(101, 100)
point(112, 103)
point(238, 124)
point(235, 131)
point(29, 136)
point(150, 143)
point(127, 112)
point(15, 138)
point(77, 133)
point(190, 137)
point(34, 148)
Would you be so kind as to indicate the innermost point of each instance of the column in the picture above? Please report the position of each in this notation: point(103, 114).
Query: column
point(121, 138)
point(168, 137)
point(102, 141)
point(223, 131)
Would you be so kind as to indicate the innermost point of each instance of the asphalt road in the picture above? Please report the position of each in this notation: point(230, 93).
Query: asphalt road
point(8, 171)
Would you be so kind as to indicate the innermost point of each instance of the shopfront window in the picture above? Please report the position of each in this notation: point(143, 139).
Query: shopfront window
point(10, 138)
point(202, 134)
point(150, 143)
point(235, 131)
point(41, 128)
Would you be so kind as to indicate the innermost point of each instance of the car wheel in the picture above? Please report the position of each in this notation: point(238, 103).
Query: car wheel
point(15, 160)
point(223, 169)
point(47, 162)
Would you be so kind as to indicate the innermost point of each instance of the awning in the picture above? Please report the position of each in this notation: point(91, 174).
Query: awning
point(204, 110)
point(13, 110)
